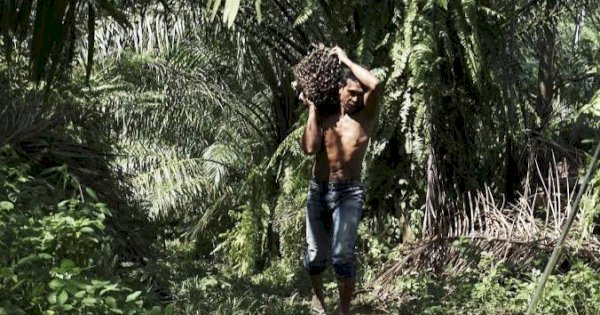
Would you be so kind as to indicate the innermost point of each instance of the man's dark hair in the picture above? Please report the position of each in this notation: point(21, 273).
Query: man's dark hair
point(345, 74)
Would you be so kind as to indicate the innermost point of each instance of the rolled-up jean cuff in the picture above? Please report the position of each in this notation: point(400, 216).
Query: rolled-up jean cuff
point(314, 268)
point(345, 271)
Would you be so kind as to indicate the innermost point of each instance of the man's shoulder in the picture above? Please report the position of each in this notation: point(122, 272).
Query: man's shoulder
point(365, 120)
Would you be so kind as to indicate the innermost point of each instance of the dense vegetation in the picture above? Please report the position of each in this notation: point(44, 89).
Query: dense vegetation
point(149, 158)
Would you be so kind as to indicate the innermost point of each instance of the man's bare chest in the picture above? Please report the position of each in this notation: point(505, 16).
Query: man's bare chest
point(345, 131)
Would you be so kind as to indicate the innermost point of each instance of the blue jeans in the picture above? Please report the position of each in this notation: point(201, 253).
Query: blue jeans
point(332, 214)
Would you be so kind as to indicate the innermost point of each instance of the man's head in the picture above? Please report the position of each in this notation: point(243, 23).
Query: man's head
point(351, 92)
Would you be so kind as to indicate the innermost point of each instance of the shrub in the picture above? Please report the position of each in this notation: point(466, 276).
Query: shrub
point(56, 256)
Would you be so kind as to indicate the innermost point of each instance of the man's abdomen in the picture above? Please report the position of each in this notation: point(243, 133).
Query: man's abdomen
point(336, 165)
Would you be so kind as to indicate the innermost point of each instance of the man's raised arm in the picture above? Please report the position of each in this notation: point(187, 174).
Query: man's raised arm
point(311, 139)
point(365, 77)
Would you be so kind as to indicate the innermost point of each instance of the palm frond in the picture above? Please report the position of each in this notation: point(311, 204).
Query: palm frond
point(306, 13)
point(172, 181)
point(53, 33)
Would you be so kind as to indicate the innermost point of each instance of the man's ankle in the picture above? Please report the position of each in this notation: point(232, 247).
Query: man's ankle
point(318, 298)
point(346, 290)
point(318, 304)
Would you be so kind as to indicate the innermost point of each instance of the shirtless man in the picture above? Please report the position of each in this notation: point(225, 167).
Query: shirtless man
point(336, 196)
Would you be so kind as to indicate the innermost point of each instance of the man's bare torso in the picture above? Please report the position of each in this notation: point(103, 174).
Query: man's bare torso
point(344, 143)
point(340, 139)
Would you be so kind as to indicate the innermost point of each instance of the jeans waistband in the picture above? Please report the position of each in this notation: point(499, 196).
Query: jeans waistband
point(336, 185)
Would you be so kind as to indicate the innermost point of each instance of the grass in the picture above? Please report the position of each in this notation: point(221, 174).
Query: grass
point(199, 286)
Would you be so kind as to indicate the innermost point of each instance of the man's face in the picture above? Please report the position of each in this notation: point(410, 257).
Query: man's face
point(351, 96)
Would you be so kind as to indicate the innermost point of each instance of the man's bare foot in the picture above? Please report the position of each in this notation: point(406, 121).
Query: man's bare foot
point(317, 305)
point(318, 299)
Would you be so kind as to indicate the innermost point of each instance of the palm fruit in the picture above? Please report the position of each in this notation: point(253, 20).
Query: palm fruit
point(317, 75)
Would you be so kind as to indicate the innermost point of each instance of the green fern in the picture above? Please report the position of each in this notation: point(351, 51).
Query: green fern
point(306, 13)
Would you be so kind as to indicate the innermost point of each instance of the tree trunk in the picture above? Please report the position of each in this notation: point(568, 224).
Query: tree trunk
point(546, 51)
point(545, 93)
point(511, 166)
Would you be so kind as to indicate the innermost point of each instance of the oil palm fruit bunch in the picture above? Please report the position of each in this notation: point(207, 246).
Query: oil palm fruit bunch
point(317, 75)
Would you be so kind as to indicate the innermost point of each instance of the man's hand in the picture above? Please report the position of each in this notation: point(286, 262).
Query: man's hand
point(366, 79)
point(339, 53)
point(308, 103)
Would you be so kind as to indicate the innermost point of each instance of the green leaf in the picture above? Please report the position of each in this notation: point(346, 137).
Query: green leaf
point(91, 193)
point(62, 297)
point(52, 298)
point(306, 13)
point(63, 203)
point(99, 283)
point(56, 284)
point(443, 4)
point(112, 287)
point(132, 296)
point(170, 309)
point(45, 256)
point(215, 8)
point(110, 301)
point(89, 301)
point(86, 229)
point(6, 272)
point(230, 12)
point(257, 4)
point(6, 205)
point(67, 264)
point(26, 259)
